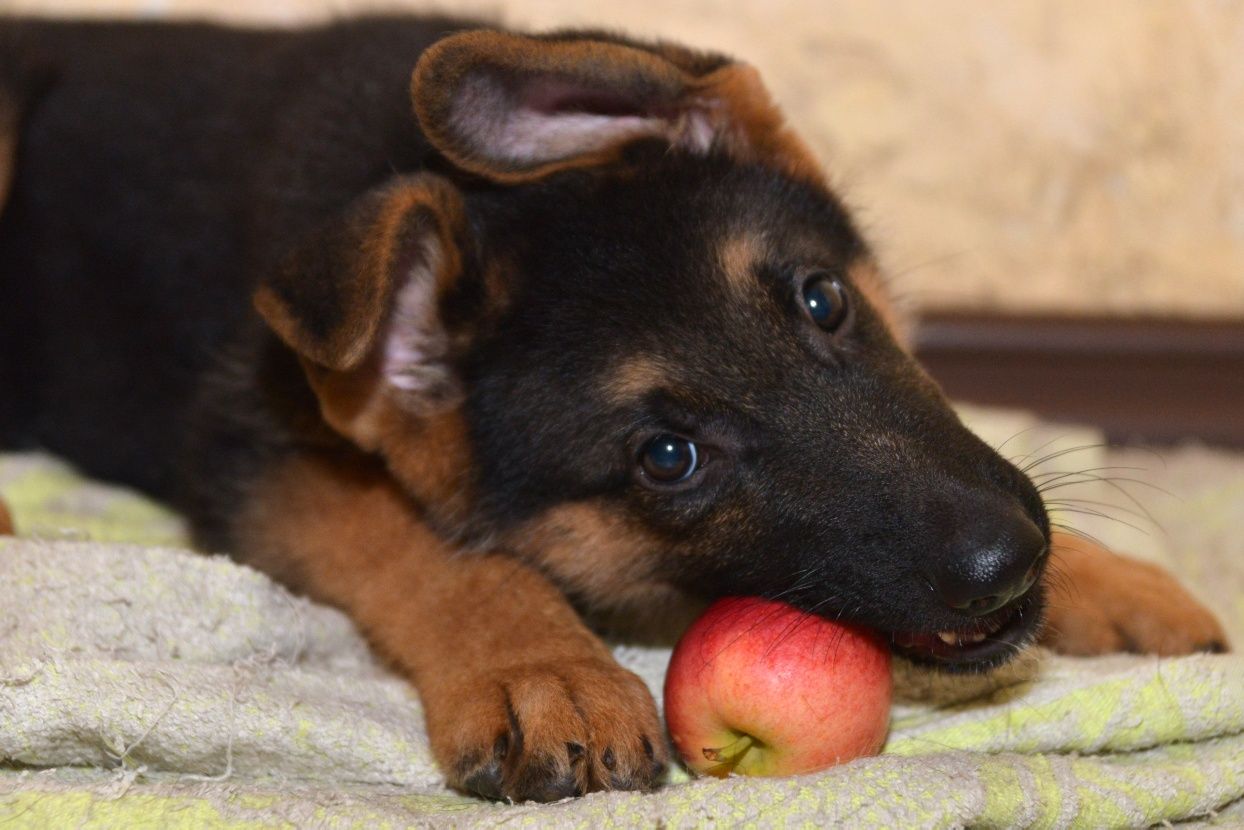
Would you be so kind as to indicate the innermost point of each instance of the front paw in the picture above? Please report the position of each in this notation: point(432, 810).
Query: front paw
point(1100, 602)
point(547, 731)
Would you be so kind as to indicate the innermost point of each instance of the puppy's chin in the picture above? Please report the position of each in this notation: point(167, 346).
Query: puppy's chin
point(979, 645)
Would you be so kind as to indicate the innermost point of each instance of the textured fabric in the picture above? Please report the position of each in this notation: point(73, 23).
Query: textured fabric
point(151, 686)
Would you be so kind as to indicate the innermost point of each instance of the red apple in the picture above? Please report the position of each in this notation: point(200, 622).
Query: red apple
point(760, 688)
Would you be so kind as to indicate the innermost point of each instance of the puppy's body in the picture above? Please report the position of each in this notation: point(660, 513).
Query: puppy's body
point(591, 331)
point(164, 153)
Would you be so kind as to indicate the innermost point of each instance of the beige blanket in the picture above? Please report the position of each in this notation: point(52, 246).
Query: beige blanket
point(152, 686)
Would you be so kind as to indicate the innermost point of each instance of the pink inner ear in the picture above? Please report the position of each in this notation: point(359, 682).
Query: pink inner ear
point(550, 119)
point(552, 96)
point(415, 345)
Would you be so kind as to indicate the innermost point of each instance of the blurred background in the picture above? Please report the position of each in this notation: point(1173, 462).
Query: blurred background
point(1056, 186)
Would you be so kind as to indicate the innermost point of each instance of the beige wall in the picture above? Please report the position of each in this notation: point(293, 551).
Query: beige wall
point(1066, 154)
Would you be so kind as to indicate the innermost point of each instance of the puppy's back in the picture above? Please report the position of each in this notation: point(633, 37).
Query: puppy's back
point(158, 170)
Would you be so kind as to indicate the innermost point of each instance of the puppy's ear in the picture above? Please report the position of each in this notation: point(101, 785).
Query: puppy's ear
point(513, 108)
point(361, 304)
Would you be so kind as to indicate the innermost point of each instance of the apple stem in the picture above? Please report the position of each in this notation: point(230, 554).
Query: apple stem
point(729, 756)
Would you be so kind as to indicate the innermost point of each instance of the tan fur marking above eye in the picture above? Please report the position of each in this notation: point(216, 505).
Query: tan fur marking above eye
point(739, 255)
point(637, 376)
point(868, 280)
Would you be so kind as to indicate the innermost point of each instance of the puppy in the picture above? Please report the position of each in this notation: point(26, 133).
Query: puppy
point(480, 336)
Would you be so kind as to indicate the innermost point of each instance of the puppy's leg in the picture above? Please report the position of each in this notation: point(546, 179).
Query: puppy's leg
point(6, 520)
point(522, 700)
point(1099, 602)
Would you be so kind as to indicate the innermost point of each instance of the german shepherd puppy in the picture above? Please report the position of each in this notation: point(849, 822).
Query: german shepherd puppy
point(480, 335)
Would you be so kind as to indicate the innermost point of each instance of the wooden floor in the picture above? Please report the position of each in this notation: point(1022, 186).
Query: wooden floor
point(1140, 379)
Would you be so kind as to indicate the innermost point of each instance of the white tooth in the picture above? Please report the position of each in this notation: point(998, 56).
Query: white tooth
point(977, 637)
point(948, 637)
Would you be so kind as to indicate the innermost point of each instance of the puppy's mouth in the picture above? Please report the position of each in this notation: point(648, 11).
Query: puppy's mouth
point(982, 644)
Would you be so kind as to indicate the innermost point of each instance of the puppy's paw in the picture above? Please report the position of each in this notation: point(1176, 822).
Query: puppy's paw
point(547, 731)
point(1099, 602)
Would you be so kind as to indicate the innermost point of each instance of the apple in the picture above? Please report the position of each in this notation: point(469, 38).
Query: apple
point(757, 687)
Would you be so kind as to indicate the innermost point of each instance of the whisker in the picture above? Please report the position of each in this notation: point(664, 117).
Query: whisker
point(1088, 470)
point(1074, 531)
point(1115, 483)
point(998, 449)
point(1085, 511)
point(1089, 478)
point(1059, 454)
point(1072, 502)
point(1017, 460)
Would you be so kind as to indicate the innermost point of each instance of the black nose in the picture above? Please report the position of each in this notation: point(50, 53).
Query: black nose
point(992, 561)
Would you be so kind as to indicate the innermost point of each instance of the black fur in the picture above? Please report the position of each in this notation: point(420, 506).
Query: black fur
point(156, 182)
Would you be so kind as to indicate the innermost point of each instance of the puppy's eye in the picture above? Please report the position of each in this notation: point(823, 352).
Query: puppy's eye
point(826, 301)
point(668, 459)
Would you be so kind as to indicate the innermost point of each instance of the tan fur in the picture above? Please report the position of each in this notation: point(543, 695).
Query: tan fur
point(754, 124)
point(353, 402)
point(428, 453)
point(484, 637)
point(8, 150)
point(6, 521)
point(1099, 602)
point(8, 147)
point(433, 459)
point(604, 557)
point(739, 255)
point(636, 377)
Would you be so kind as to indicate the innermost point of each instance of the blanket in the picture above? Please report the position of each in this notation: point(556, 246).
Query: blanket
point(142, 684)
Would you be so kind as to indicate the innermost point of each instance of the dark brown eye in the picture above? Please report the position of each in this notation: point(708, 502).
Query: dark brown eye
point(668, 459)
point(826, 301)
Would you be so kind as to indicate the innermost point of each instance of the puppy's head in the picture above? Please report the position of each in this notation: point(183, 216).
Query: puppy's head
point(636, 340)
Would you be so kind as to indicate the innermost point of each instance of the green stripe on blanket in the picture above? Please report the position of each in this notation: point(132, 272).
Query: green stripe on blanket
point(146, 686)
point(50, 501)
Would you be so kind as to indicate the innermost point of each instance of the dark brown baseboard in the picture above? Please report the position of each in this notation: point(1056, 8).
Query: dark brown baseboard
point(1151, 380)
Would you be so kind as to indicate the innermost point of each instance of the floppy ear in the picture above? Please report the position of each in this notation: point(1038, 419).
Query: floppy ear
point(513, 107)
point(360, 303)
